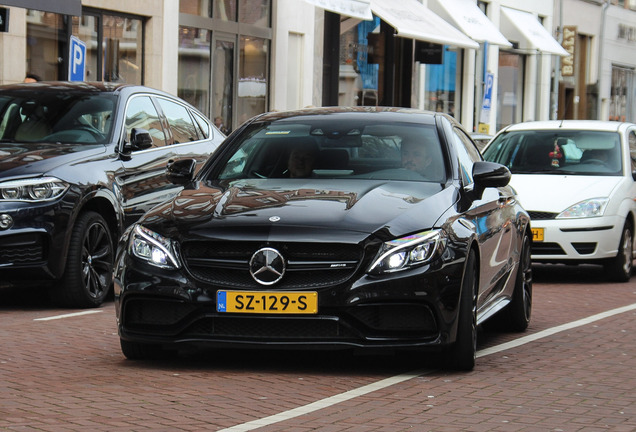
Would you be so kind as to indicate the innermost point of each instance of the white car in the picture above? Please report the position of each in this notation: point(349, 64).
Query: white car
point(576, 180)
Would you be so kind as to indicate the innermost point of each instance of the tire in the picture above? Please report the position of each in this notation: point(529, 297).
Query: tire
point(89, 264)
point(140, 351)
point(461, 356)
point(519, 309)
point(619, 269)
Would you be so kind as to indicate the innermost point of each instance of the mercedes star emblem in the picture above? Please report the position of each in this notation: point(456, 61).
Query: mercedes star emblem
point(267, 266)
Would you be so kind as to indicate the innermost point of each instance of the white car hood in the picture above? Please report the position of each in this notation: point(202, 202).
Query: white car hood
point(555, 193)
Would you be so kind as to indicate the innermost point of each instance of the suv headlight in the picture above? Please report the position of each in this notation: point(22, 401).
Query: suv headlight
point(33, 190)
point(153, 248)
point(409, 251)
point(593, 207)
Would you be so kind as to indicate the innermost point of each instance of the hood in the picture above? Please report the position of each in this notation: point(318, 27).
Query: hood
point(34, 159)
point(268, 209)
point(555, 193)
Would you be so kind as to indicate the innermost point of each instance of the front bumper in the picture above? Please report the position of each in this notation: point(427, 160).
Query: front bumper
point(583, 240)
point(414, 308)
point(33, 248)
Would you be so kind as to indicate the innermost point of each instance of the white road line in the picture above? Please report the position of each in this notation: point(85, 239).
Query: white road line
point(361, 391)
point(75, 314)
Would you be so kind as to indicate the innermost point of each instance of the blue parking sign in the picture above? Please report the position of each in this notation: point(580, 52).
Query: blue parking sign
point(77, 60)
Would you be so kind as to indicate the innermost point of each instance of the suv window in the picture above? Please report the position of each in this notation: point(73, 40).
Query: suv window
point(181, 124)
point(141, 113)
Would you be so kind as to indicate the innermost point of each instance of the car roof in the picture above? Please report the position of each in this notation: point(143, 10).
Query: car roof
point(78, 86)
point(382, 113)
point(596, 125)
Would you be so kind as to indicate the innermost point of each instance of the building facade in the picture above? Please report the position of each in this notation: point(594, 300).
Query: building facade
point(488, 63)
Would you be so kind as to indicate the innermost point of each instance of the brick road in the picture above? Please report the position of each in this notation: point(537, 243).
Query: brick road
point(69, 375)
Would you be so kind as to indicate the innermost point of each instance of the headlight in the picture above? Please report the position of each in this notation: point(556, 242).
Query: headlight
point(594, 207)
point(409, 251)
point(153, 248)
point(33, 190)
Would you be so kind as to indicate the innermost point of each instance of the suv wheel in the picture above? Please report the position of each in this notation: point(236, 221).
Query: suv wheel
point(89, 264)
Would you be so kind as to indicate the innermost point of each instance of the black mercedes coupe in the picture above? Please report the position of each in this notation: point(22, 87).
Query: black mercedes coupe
point(329, 228)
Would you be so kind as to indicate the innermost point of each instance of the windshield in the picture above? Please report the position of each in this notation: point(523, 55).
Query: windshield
point(61, 117)
point(557, 152)
point(328, 148)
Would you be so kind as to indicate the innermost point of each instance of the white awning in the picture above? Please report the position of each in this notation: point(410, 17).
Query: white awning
point(466, 16)
point(360, 9)
point(411, 19)
point(526, 28)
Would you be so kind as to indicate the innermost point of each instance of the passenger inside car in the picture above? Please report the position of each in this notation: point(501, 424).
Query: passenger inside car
point(302, 159)
point(415, 157)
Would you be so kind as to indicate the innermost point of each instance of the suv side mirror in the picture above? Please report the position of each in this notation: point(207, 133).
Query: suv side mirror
point(181, 171)
point(140, 139)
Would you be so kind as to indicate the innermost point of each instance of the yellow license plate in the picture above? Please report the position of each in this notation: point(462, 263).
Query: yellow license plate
point(267, 302)
point(537, 234)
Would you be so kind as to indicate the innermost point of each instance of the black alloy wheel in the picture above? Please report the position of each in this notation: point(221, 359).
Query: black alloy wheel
point(520, 307)
point(89, 264)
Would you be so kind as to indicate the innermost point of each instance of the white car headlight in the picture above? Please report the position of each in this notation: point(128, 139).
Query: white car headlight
point(409, 251)
point(593, 207)
point(153, 248)
point(33, 190)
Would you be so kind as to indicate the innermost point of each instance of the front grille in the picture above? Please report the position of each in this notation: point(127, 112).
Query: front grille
point(547, 249)
point(22, 249)
point(268, 328)
point(309, 265)
point(584, 248)
point(537, 215)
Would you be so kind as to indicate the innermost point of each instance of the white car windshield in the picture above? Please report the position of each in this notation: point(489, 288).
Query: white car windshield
point(557, 152)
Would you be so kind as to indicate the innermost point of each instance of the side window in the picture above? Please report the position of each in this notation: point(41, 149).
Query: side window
point(204, 127)
point(632, 149)
point(181, 124)
point(141, 113)
point(467, 153)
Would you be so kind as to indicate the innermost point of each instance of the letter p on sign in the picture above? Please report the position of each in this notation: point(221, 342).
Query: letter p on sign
point(77, 60)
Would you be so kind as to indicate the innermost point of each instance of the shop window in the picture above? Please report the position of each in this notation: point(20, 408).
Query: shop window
point(440, 83)
point(252, 84)
point(196, 7)
point(224, 58)
point(44, 47)
point(361, 53)
point(254, 12)
point(621, 102)
point(510, 88)
point(194, 67)
point(115, 57)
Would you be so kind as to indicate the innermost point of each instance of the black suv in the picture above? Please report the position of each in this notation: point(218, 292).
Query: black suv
point(79, 162)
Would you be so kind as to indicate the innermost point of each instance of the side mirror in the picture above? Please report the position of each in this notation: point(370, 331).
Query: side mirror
point(140, 139)
point(181, 171)
point(488, 174)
